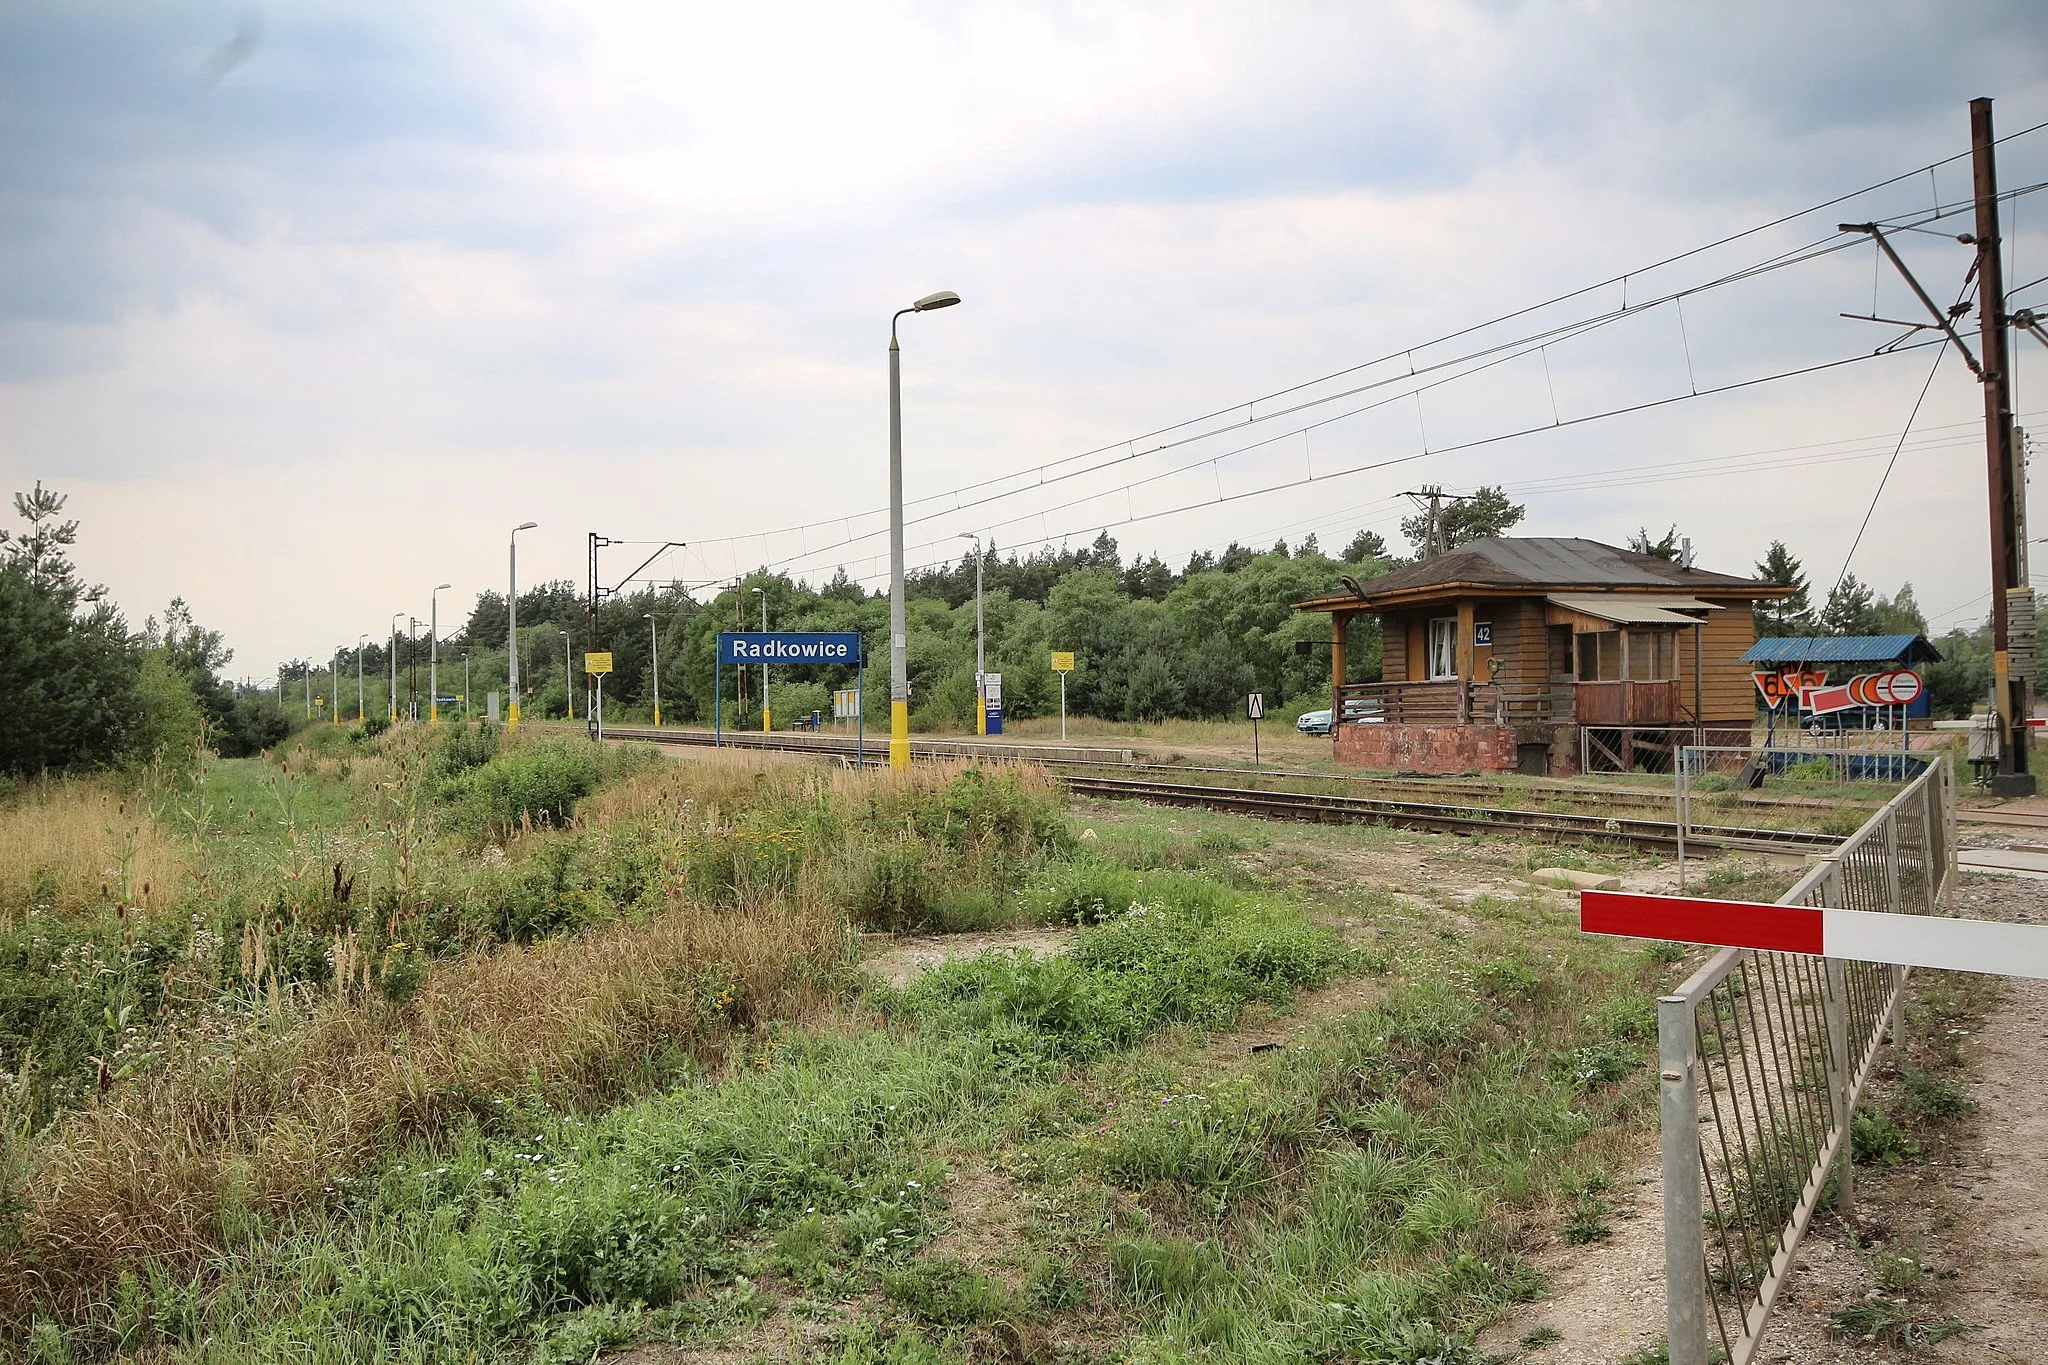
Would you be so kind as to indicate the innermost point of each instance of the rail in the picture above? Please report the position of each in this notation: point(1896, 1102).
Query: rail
point(1762, 1057)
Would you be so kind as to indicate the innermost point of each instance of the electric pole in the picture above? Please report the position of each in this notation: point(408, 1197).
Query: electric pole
point(2008, 577)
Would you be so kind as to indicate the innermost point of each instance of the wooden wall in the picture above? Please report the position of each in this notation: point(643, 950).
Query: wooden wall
point(1520, 641)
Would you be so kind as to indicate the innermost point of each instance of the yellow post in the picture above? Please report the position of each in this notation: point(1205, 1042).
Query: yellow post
point(512, 713)
point(899, 734)
point(657, 715)
point(764, 716)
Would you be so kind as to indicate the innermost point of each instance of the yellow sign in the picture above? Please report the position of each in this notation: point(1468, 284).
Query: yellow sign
point(1063, 661)
point(598, 663)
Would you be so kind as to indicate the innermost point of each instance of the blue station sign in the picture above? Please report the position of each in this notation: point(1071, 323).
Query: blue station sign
point(789, 647)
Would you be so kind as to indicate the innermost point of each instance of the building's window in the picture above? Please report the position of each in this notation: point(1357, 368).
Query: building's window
point(1599, 656)
point(1443, 648)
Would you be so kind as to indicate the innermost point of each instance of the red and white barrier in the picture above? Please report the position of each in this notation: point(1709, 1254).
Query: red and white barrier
point(1956, 945)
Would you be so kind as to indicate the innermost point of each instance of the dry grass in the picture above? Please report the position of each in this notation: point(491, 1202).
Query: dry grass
point(80, 843)
point(172, 1166)
point(726, 781)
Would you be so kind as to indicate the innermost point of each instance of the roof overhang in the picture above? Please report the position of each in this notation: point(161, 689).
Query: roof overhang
point(1633, 609)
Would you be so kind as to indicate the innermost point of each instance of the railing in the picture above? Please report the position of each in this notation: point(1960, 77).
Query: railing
point(1762, 1057)
point(1629, 703)
point(1458, 703)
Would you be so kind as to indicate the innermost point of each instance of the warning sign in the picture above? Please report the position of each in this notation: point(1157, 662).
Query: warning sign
point(1782, 685)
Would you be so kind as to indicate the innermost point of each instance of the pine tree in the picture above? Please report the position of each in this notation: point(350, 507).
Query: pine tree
point(1850, 610)
point(1791, 615)
point(1665, 548)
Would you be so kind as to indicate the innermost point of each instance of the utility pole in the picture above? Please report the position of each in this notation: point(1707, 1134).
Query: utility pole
point(2007, 571)
point(1430, 498)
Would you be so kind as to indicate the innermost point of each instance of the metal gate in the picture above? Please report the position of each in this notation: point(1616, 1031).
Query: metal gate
point(1762, 1057)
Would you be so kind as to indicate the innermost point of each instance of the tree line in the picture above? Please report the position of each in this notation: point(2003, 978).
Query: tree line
point(80, 689)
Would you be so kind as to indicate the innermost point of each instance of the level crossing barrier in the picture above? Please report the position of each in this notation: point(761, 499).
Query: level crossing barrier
point(1762, 1057)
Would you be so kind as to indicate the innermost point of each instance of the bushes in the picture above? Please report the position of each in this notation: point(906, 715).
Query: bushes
point(517, 790)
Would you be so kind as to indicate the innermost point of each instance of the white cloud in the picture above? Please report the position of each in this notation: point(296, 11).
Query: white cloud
point(309, 342)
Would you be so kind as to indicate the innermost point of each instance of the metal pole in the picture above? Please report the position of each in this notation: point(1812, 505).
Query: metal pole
point(1684, 815)
point(765, 725)
point(980, 665)
point(465, 687)
point(899, 656)
point(309, 691)
point(860, 720)
point(334, 677)
point(434, 656)
point(654, 647)
point(2006, 548)
point(412, 671)
point(568, 676)
point(512, 629)
point(392, 697)
point(1063, 708)
point(600, 708)
point(717, 698)
point(1678, 1099)
point(1837, 1014)
point(359, 677)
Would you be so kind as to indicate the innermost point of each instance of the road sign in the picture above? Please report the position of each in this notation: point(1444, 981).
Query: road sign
point(1782, 685)
point(1937, 941)
point(789, 647)
point(599, 664)
point(1899, 687)
point(1063, 661)
point(1255, 705)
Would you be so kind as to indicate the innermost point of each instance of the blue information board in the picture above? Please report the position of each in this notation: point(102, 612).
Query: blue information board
point(789, 647)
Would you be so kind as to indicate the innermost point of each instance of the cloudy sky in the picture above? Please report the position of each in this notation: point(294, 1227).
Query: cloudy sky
point(307, 305)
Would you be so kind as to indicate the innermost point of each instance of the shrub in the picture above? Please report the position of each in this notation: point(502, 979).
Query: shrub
point(536, 786)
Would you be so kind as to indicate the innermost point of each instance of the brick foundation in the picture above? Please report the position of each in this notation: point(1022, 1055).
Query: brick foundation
point(1437, 748)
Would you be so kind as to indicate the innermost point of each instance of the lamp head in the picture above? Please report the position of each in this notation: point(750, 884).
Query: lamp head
point(945, 298)
point(524, 526)
point(441, 586)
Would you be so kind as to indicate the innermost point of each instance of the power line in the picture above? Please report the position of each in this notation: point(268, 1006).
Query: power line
point(1250, 406)
point(1223, 499)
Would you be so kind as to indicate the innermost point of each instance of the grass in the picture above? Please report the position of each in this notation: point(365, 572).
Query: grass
point(451, 1069)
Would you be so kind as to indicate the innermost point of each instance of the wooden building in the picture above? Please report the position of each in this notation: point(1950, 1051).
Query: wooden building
point(1532, 653)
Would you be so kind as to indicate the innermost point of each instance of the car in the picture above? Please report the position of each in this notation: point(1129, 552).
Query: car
point(1314, 723)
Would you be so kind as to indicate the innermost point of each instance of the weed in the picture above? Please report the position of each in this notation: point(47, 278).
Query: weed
point(1895, 1322)
point(1165, 1270)
point(1587, 1221)
point(1536, 1338)
point(946, 1292)
point(1933, 1097)
point(1874, 1138)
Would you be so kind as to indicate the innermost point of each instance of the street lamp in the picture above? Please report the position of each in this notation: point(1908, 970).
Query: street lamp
point(434, 654)
point(899, 651)
point(568, 674)
point(980, 677)
point(465, 687)
point(654, 647)
point(394, 666)
point(361, 640)
point(764, 667)
point(334, 677)
point(512, 629)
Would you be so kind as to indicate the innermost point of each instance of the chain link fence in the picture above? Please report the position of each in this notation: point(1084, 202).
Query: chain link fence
point(1762, 1057)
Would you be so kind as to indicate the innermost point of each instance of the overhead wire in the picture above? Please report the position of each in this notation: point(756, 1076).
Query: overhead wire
point(1250, 405)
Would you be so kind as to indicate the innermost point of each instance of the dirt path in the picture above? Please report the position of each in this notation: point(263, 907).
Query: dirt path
point(900, 959)
point(2005, 1286)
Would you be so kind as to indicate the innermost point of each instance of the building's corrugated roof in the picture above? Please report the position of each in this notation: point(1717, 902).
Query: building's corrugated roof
point(1842, 649)
point(1553, 563)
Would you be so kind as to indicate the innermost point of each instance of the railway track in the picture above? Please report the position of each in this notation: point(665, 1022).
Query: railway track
point(1315, 807)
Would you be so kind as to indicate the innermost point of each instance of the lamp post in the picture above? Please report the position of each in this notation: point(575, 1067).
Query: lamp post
point(654, 648)
point(568, 675)
point(512, 630)
point(334, 676)
point(465, 687)
point(764, 667)
point(980, 676)
point(412, 672)
point(393, 695)
point(899, 651)
point(361, 640)
point(434, 654)
point(309, 691)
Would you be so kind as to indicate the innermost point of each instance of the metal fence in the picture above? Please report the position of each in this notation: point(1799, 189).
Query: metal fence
point(1762, 1057)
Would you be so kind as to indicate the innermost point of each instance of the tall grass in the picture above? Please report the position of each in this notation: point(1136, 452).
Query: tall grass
point(79, 844)
point(263, 1121)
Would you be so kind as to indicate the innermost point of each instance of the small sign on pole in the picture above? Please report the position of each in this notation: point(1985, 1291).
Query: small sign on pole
point(992, 698)
point(598, 664)
point(1063, 661)
point(1255, 704)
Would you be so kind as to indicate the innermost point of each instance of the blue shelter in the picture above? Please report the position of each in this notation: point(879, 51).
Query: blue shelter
point(1847, 656)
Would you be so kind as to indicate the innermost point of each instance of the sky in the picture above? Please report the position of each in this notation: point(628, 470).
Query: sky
point(306, 306)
